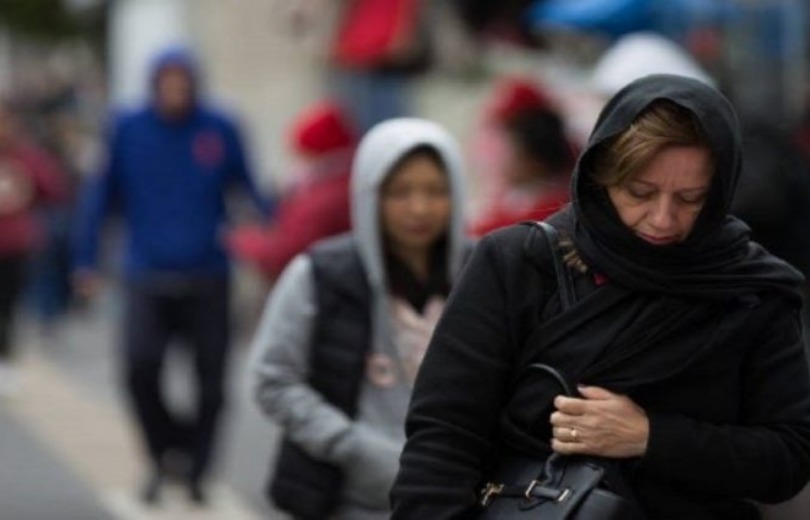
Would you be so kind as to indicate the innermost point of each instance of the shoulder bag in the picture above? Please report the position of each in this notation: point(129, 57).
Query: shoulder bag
point(560, 487)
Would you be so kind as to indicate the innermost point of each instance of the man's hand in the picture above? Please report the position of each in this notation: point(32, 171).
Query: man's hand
point(602, 423)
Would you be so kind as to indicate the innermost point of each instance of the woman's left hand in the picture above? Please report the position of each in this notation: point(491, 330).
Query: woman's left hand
point(602, 423)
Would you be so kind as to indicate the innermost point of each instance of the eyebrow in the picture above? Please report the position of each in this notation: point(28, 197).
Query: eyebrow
point(653, 185)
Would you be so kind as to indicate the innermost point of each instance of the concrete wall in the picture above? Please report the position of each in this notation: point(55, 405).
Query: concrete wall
point(138, 29)
point(262, 66)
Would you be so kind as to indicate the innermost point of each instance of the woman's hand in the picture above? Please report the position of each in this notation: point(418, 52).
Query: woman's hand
point(603, 424)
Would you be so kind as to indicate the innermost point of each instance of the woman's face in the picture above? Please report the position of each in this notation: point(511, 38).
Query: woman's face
point(661, 202)
point(415, 204)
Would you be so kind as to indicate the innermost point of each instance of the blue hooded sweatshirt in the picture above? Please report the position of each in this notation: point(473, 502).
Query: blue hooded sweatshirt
point(169, 179)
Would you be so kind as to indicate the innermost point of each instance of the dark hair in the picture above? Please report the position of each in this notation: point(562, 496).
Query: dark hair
point(424, 150)
point(540, 134)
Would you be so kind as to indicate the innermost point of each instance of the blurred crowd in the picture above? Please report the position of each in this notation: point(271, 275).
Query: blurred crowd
point(166, 170)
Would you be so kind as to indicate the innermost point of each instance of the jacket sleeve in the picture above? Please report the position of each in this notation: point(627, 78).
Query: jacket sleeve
point(280, 370)
point(279, 363)
point(301, 221)
point(767, 457)
point(457, 398)
point(241, 173)
point(95, 199)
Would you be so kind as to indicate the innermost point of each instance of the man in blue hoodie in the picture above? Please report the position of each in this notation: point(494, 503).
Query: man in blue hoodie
point(167, 171)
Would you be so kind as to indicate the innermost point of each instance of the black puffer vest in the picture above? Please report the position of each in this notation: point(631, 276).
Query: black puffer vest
point(301, 485)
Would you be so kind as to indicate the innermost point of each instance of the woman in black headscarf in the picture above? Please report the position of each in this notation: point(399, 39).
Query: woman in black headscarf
point(684, 338)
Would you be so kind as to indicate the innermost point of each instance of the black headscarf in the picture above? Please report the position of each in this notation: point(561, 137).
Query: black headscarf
point(664, 307)
point(717, 260)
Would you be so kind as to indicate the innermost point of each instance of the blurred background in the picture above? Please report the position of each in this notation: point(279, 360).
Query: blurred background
point(66, 448)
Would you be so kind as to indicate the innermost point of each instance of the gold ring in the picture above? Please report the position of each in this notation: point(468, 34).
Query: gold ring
point(574, 434)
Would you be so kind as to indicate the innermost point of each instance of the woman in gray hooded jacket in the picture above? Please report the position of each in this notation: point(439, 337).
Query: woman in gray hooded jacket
point(346, 327)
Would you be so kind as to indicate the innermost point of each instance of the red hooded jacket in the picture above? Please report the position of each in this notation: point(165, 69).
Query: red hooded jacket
point(317, 206)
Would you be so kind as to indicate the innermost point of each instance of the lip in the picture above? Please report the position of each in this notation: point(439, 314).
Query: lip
point(420, 230)
point(658, 241)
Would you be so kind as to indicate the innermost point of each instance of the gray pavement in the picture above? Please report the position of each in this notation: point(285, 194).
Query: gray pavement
point(66, 447)
point(36, 484)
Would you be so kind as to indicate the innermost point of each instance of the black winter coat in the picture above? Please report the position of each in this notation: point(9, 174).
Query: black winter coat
point(703, 335)
point(733, 423)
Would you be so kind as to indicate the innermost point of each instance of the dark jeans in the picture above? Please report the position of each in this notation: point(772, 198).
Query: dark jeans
point(12, 273)
point(194, 311)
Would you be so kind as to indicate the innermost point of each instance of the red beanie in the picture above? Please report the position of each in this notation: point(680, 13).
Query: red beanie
point(515, 95)
point(322, 128)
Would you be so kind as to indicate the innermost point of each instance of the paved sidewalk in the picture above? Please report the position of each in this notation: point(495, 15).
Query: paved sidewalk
point(68, 451)
point(79, 459)
point(35, 483)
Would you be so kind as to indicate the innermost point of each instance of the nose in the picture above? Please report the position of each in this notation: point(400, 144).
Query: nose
point(419, 204)
point(663, 214)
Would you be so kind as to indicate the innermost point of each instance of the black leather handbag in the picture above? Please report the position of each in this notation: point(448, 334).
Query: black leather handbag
point(559, 487)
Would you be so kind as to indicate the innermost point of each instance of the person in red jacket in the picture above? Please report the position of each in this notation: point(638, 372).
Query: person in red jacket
point(28, 177)
point(528, 179)
point(317, 203)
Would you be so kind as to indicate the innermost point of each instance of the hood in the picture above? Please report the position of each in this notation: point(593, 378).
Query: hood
point(378, 152)
point(515, 95)
point(716, 117)
point(322, 129)
point(642, 54)
point(178, 57)
point(717, 259)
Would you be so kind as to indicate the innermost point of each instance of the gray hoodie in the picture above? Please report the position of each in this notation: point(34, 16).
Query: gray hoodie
point(366, 447)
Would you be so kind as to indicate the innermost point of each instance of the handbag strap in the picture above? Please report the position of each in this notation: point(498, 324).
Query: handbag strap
point(567, 296)
point(554, 373)
point(565, 284)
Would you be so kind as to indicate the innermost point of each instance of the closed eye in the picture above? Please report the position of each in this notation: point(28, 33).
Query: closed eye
point(640, 194)
point(693, 199)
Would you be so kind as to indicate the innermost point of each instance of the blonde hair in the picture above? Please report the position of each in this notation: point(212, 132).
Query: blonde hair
point(662, 124)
